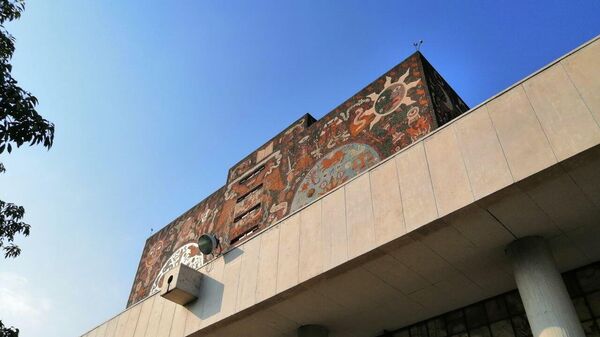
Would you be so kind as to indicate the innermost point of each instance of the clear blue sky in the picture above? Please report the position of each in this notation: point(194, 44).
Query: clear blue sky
point(154, 100)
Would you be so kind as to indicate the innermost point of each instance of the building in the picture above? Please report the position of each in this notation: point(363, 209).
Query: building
point(399, 213)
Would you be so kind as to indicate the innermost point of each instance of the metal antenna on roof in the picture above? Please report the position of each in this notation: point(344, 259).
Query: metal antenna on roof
point(417, 45)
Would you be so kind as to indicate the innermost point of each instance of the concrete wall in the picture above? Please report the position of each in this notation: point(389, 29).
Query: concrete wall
point(549, 117)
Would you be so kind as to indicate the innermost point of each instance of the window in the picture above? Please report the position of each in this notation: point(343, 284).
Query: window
point(252, 174)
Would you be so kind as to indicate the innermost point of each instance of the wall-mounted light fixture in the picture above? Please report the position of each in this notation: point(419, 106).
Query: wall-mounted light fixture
point(207, 243)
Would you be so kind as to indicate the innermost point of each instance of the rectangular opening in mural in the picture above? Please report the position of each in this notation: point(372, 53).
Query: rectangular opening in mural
point(250, 193)
point(244, 235)
point(252, 174)
point(247, 213)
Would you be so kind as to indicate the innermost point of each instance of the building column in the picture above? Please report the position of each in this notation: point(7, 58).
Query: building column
point(549, 308)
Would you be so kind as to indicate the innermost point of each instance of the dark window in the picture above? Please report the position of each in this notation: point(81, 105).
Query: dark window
point(248, 193)
point(514, 304)
point(496, 309)
point(243, 235)
point(252, 174)
point(476, 315)
point(437, 328)
point(521, 326)
point(455, 321)
point(502, 329)
point(246, 213)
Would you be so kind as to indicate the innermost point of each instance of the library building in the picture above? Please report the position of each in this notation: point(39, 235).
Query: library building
point(401, 213)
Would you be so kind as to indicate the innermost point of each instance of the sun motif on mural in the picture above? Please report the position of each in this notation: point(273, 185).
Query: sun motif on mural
point(394, 94)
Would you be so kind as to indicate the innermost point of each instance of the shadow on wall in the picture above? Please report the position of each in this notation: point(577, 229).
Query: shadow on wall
point(232, 255)
point(210, 301)
point(212, 307)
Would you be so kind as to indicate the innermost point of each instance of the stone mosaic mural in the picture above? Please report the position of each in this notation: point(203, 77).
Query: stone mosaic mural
point(333, 170)
point(448, 104)
point(302, 163)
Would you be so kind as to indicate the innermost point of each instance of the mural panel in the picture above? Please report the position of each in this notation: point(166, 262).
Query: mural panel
point(334, 169)
point(302, 163)
point(446, 103)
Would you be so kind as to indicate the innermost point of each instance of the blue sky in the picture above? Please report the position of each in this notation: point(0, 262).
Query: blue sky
point(153, 101)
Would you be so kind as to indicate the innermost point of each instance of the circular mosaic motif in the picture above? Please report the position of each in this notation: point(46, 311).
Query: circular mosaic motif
point(334, 169)
point(390, 98)
point(188, 254)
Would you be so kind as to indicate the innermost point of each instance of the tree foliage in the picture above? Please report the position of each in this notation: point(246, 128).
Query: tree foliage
point(19, 121)
point(8, 332)
point(10, 218)
point(19, 124)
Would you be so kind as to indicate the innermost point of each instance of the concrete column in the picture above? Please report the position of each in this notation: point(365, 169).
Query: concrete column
point(549, 309)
